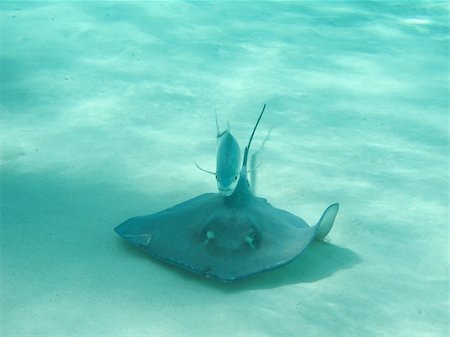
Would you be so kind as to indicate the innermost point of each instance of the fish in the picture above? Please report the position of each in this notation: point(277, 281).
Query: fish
point(226, 238)
point(228, 161)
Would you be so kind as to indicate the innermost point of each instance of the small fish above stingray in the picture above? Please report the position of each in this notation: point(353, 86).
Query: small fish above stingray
point(226, 236)
point(228, 161)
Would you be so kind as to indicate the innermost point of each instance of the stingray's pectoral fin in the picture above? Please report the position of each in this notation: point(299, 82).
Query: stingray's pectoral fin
point(326, 221)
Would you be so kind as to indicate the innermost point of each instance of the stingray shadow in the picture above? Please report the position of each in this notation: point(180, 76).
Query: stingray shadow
point(320, 260)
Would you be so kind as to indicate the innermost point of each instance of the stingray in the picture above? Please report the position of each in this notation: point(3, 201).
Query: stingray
point(226, 237)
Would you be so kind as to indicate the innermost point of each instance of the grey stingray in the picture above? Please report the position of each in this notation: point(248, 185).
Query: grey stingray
point(226, 237)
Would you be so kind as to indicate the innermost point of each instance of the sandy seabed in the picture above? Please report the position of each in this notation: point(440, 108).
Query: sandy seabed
point(104, 107)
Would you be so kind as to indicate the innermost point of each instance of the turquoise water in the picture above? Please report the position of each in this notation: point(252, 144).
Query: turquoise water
point(105, 106)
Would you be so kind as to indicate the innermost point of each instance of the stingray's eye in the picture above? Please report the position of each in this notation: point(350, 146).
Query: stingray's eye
point(250, 238)
point(252, 233)
point(235, 177)
point(209, 236)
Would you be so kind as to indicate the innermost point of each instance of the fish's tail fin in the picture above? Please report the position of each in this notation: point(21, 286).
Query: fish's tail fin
point(217, 123)
point(326, 221)
point(221, 133)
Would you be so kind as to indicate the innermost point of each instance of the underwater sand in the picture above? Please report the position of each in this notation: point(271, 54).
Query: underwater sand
point(105, 106)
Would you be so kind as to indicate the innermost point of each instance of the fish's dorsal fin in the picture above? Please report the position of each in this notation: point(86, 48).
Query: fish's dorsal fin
point(247, 148)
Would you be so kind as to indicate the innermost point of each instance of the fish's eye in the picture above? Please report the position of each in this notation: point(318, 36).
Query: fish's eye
point(235, 177)
point(216, 177)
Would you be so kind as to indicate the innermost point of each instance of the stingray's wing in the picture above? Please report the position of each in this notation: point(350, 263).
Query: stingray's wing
point(175, 234)
point(279, 238)
point(209, 236)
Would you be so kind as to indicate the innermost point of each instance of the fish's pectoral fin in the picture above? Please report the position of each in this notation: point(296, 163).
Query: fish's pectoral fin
point(326, 221)
point(202, 169)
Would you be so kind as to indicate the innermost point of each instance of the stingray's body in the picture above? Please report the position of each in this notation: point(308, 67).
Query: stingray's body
point(225, 237)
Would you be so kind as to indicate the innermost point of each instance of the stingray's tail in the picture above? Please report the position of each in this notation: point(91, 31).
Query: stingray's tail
point(247, 148)
point(326, 221)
